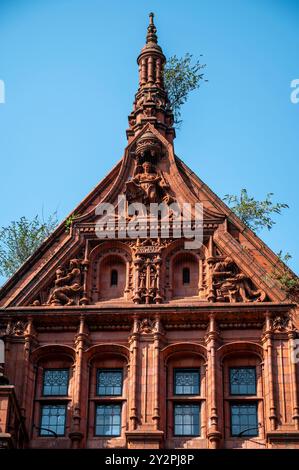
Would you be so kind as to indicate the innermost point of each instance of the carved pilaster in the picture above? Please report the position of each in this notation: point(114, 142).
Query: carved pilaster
point(133, 341)
point(81, 339)
point(294, 378)
point(84, 299)
point(30, 340)
point(267, 340)
point(214, 435)
point(157, 340)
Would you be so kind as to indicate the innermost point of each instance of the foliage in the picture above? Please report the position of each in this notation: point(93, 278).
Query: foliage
point(180, 77)
point(69, 221)
point(255, 214)
point(20, 239)
point(287, 280)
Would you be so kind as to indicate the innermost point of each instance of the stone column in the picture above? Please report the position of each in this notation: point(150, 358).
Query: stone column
point(29, 339)
point(294, 378)
point(210, 266)
point(158, 72)
point(144, 396)
point(156, 372)
point(137, 271)
point(150, 75)
point(268, 348)
point(76, 433)
point(84, 299)
point(214, 435)
point(133, 418)
point(143, 72)
point(127, 286)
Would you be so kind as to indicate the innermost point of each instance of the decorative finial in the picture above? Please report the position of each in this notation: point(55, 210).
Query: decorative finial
point(151, 30)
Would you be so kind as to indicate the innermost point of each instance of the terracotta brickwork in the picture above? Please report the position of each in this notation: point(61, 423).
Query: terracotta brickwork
point(140, 342)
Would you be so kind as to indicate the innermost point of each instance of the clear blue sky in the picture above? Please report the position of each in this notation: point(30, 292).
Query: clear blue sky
point(70, 72)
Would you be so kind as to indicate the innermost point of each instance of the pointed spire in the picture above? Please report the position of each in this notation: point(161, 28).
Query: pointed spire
point(151, 30)
point(151, 60)
point(151, 101)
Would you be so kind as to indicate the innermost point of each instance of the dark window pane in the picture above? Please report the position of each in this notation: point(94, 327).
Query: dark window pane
point(56, 382)
point(244, 420)
point(52, 419)
point(186, 276)
point(186, 420)
point(186, 381)
point(108, 420)
point(243, 381)
point(109, 382)
point(114, 277)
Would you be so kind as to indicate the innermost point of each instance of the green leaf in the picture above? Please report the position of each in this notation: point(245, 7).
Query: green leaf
point(20, 239)
point(257, 215)
point(181, 76)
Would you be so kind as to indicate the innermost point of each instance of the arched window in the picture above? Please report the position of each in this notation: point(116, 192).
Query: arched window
point(114, 277)
point(186, 276)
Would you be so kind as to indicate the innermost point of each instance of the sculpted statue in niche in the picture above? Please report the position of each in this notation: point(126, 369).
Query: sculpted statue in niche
point(232, 286)
point(67, 285)
point(148, 185)
point(147, 270)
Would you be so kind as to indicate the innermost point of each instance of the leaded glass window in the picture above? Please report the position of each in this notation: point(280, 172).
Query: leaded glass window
point(186, 420)
point(52, 419)
point(244, 420)
point(56, 382)
point(108, 420)
point(186, 381)
point(109, 382)
point(243, 381)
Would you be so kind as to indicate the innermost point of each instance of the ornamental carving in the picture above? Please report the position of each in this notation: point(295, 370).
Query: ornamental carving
point(67, 286)
point(147, 262)
point(147, 290)
point(281, 323)
point(16, 329)
point(149, 245)
point(148, 185)
point(230, 285)
point(147, 326)
point(148, 146)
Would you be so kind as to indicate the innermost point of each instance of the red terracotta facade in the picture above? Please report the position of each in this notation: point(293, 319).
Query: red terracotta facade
point(152, 312)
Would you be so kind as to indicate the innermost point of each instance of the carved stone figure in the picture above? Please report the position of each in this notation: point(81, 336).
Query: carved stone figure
point(147, 263)
point(147, 186)
point(142, 280)
point(224, 268)
point(66, 286)
point(232, 286)
point(280, 323)
point(147, 326)
point(16, 329)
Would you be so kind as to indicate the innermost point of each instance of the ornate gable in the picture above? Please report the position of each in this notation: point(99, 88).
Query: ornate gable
point(80, 267)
